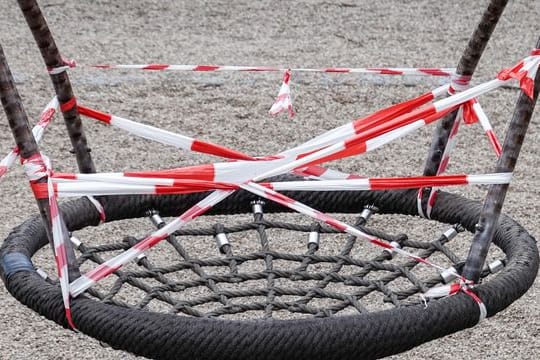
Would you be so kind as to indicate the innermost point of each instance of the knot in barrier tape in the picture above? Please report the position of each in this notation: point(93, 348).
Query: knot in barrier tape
point(459, 83)
point(66, 65)
point(36, 167)
point(465, 286)
point(524, 71)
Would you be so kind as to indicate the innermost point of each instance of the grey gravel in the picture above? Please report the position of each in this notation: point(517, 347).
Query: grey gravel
point(231, 109)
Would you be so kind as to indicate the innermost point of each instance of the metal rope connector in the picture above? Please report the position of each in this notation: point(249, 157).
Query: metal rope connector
point(75, 241)
point(155, 218)
point(453, 232)
point(222, 241)
point(42, 273)
point(314, 236)
point(496, 266)
point(368, 211)
point(257, 206)
point(449, 275)
point(391, 252)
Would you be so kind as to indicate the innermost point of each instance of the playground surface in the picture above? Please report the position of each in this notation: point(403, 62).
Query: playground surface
point(232, 109)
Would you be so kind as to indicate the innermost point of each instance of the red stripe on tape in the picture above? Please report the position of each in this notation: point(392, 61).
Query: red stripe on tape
point(527, 86)
point(392, 118)
point(41, 190)
point(156, 67)
point(495, 142)
point(336, 70)
point(194, 211)
point(94, 114)
point(432, 199)
point(418, 181)
point(287, 77)
point(53, 207)
point(280, 198)
point(68, 105)
point(218, 150)
point(46, 117)
point(350, 151)
point(69, 318)
point(444, 164)
point(386, 71)
point(469, 115)
point(314, 170)
point(434, 72)
point(473, 296)
point(436, 116)
point(199, 172)
point(67, 176)
point(332, 222)
point(454, 288)
point(101, 271)
point(381, 243)
point(206, 68)
point(149, 242)
point(182, 187)
point(61, 259)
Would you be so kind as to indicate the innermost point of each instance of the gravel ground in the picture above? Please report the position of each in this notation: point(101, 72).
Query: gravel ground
point(231, 109)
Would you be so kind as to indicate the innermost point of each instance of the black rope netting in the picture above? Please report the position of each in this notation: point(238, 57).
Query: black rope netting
point(278, 275)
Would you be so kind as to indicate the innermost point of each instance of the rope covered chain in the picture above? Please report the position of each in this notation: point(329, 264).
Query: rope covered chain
point(265, 268)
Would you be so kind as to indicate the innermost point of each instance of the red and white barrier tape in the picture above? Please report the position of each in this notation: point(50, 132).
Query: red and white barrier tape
point(524, 71)
point(331, 136)
point(119, 184)
point(60, 236)
point(488, 129)
point(38, 167)
point(459, 83)
point(317, 172)
point(464, 286)
point(67, 64)
point(99, 208)
point(443, 165)
point(399, 127)
point(34, 167)
point(37, 131)
point(368, 141)
point(364, 123)
point(469, 112)
point(446, 72)
point(373, 138)
point(163, 136)
point(283, 101)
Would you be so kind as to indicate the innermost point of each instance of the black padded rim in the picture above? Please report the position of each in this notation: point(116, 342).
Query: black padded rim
point(363, 336)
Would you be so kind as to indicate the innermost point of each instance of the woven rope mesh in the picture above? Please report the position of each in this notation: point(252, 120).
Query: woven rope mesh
point(266, 266)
